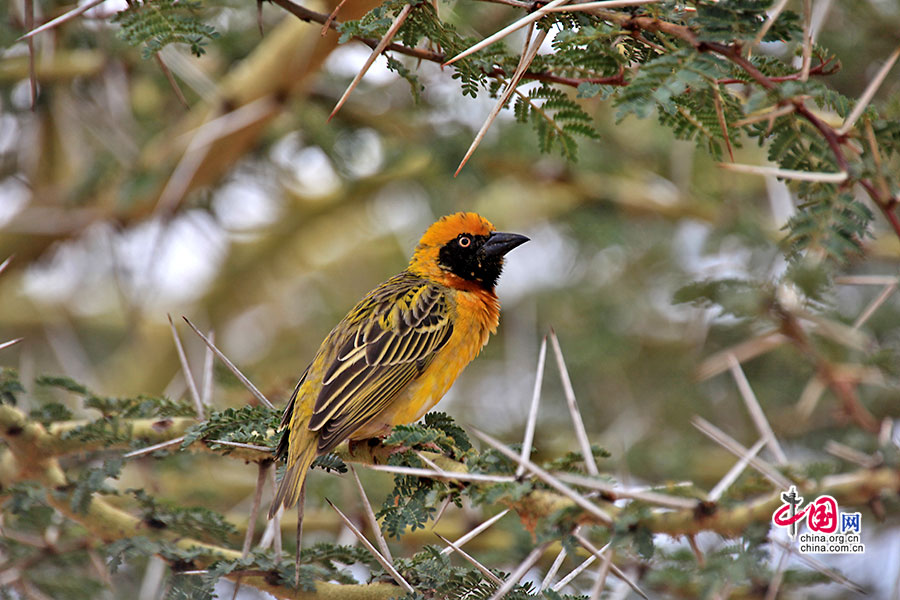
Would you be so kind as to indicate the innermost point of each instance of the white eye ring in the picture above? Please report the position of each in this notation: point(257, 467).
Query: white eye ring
point(465, 241)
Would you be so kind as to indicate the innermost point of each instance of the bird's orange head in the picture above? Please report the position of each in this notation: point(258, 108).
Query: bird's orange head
point(463, 251)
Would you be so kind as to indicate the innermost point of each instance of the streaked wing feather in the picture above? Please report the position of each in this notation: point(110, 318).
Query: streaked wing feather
point(283, 443)
point(388, 339)
point(366, 407)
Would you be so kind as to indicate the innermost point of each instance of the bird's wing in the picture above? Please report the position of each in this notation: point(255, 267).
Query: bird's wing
point(383, 344)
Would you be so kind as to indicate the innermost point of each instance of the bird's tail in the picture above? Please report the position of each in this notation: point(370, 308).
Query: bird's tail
point(302, 453)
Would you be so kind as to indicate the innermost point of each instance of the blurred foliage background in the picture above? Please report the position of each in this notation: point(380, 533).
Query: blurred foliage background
point(251, 215)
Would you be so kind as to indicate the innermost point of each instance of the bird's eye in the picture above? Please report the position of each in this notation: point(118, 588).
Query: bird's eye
point(464, 241)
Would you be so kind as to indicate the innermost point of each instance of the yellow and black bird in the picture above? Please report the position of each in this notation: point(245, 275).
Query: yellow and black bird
point(401, 347)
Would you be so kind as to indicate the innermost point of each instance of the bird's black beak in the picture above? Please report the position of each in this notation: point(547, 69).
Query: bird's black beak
point(501, 243)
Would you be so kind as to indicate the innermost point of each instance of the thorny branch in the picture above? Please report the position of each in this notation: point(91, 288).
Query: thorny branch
point(306, 14)
point(635, 24)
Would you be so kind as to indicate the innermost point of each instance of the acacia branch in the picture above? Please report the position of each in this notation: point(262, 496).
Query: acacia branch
point(22, 460)
point(305, 14)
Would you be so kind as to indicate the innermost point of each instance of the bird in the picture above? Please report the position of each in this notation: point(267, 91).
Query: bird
point(398, 351)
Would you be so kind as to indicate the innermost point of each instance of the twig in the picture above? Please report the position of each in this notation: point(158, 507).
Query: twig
point(388, 566)
point(391, 32)
point(867, 279)
point(301, 508)
point(528, 440)
point(769, 115)
point(331, 17)
point(204, 136)
point(743, 351)
point(186, 369)
point(237, 373)
point(807, 40)
point(692, 542)
point(262, 472)
point(171, 79)
point(723, 124)
point(577, 422)
point(32, 76)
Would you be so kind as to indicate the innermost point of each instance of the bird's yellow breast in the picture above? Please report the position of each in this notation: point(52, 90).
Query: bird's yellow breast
point(476, 316)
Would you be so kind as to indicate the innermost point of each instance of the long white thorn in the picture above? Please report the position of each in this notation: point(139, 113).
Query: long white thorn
point(616, 570)
point(388, 566)
point(756, 411)
point(823, 568)
point(528, 440)
point(644, 496)
point(520, 571)
point(442, 474)
point(5, 263)
point(237, 372)
point(153, 448)
point(823, 177)
point(526, 20)
point(773, 14)
point(576, 571)
point(733, 446)
point(206, 392)
point(9, 343)
point(557, 563)
point(475, 532)
point(869, 93)
point(528, 54)
point(388, 36)
point(577, 421)
point(186, 369)
point(370, 515)
point(487, 572)
point(886, 293)
point(735, 471)
point(67, 16)
point(547, 478)
point(586, 6)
